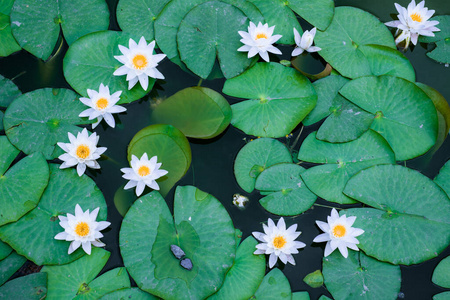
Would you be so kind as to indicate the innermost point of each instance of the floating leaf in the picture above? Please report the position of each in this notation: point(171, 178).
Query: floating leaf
point(37, 120)
point(404, 115)
point(319, 13)
point(33, 235)
point(342, 161)
point(169, 145)
point(9, 265)
point(444, 26)
point(200, 226)
point(8, 91)
point(86, 65)
point(128, 293)
point(442, 296)
point(359, 276)
point(274, 286)
point(442, 51)
point(182, 110)
point(7, 154)
point(255, 157)
point(1, 120)
point(112, 280)
point(443, 178)
point(278, 103)
point(8, 44)
point(439, 102)
point(5, 250)
point(440, 273)
point(351, 28)
point(300, 296)
point(30, 287)
point(287, 194)
point(314, 279)
point(36, 25)
point(123, 199)
point(402, 228)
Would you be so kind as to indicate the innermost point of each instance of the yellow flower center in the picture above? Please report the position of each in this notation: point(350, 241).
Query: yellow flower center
point(82, 229)
point(339, 231)
point(139, 61)
point(279, 242)
point(101, 103)
point(143, 171)
point(83, 151)
point(416, 17)
point(261, 36)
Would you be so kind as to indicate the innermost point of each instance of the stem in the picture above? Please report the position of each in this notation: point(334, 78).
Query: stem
point(297, 138)
point(327, 206)
point(200, 82)
point(18, 75)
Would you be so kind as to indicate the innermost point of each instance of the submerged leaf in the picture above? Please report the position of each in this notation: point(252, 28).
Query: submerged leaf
point(314, 279)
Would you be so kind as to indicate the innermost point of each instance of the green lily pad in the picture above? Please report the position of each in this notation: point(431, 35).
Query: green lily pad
point(255, 157)
point(169, 145)
point(341, 161)
point(5, 250)
point(30, 287)
point(444, 26)
point(351, 28)
point(8, 44)
point(323, 297)
point(404, 115)
point(314, 279)
point(33, 235)
point(442, 51)
point(246, 274)
point(442, 296)
point(443, 178)
point(200, 226)
point(278, 103)
point(115, 279)
point(86, 65)
point(9, 265)
point(440, 273)
point(360, 277)
point(36, 25)
point(7, 154)
point(1, 120)
point(36, 121)
point(182, 111)
point(8, 91)
point(402, 228)
point(439, 102)
point(128, 293)
point(123, 199)
point(274, 286)
point(319, 13)
point(300, 296)
point(286, 193)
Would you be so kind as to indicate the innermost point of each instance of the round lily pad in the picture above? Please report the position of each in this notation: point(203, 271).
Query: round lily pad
point(201, 227)
point(169, 145)
point(442, 51)
point(351, 28)
point(8, 44)
point(360, 277)
point(274, 286)
point(409, 222)
point(440, 273)
point(404, 115)
point(30, 287)
point(442, 296)
point(36, 25)
point(278, 103)
point(9, 265)
point(287, 194)
point(86, 65)
point(255, 157)
point(314, 279)
point(128, 293)
point(319, 13)
point(33, 235)
point(182, 111)
point(341, 161)
point(36, 121)
point(8, 91)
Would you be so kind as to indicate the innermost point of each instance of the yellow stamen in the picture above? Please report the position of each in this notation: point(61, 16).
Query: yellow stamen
point(261, 36)
point(143, 171)
point(139, 61)
point(416, 17)
point(101, 103)
point(279, 242)
point(339, 231)
point(82, 229)
point(83, 151)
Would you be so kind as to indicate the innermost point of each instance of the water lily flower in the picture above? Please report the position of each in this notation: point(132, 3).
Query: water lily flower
point(102, 105)
point(304, 42)
point(81, 151)
point(259, 39)
point(278, 241)
point(412, 22)
point(143, 172)
point(338, 233)
point(82, 229)
point(139, 63)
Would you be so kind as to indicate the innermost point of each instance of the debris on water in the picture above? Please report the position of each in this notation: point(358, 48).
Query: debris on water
point(186, 263)
point(177, 251)
point(239, 200)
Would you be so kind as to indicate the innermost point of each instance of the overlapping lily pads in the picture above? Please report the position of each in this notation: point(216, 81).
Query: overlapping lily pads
point(318, 13)
point(33, 235)
point(8, 44)
point(5, 250)
point(36, 121)
point(201, 227)
point(274, 286)
point(30, 287)
point(402, 228)
point(278, 103)
point(8, 91)
point(441, 38)
point(9, 265)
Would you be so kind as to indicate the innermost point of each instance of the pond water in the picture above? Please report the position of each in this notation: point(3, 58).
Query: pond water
point(212, 160)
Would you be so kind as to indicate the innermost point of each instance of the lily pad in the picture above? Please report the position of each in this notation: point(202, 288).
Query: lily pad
point(33, 235)
point(255, 157)
point(439, 102)
point(9, 265)
point(443, 178)
point(319, 13)
point(300, 296)
point(1, 120)
point(314, 279)
point(286, 193)
point(115, 279)
point(442, 296)
point(402, 228)
point(404, 115)
point(36, 25)
point(8, 91)
point(7, 154)
point(86, 65)
point(278, 103)
point(197, 111)
point(360, 277)
point(8, 44)
point(5, 250)
point(442, 51)
point(128, 293)
point(36, 121)
point(201, 227)
point(440, 273)
point(30, 287)
point(169, 145)
point(351, 28)
point(274, 286)
point(341, 161)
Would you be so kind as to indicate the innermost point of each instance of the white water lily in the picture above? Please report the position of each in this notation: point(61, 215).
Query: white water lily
point(143, 172)
point(412, 22)
point(139, 63)
point(82, 229)
point(259, 40)
point(102, 105)
point(81, 151)
point(338, 233)
point(304, 42)
point(278, 241)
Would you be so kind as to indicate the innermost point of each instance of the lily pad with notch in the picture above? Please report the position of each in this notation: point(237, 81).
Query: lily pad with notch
point(30, 287)
point(9, 265)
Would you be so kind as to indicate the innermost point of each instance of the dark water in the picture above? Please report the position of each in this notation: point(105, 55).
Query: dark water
point(212, 160)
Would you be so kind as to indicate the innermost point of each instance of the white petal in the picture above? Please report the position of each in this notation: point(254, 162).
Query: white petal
point(61, 236)
point(140, 188)
point(324, 237)
point(272, 260)
point(328, 249)
point(109, 120)
point(130, 184)
point(81, 168)
point(86, 247)
point(343, 249)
